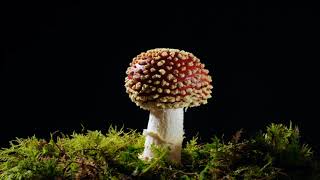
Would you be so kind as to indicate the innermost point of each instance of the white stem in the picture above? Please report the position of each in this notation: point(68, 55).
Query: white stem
point(165, 128)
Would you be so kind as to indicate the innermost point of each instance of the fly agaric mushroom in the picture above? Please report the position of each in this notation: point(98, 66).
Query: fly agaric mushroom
point(164, 81)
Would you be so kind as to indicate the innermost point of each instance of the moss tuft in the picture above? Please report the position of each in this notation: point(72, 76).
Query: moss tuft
point(276, 153)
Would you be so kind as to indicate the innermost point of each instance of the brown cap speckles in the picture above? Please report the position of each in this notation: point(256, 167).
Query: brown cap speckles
point(167, 78)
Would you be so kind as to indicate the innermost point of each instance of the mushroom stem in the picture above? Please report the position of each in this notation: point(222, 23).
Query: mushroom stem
point(165, 128)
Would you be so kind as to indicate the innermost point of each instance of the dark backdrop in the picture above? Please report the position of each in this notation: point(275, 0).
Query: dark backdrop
point(64, 65)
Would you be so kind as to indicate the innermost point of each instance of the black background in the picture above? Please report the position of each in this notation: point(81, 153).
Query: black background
point(64, 65)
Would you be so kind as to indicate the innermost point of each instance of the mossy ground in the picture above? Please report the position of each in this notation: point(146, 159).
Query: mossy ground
point(275, 153)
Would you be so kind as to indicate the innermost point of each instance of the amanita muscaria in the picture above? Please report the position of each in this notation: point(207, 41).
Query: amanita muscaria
point(165, 81)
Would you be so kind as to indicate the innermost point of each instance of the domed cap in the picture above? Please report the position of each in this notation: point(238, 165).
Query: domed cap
point(167, 78)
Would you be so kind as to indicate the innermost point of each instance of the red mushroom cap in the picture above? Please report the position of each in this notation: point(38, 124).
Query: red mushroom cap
point(167, 78)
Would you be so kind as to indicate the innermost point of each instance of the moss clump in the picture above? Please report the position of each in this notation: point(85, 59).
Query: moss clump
point(274, 154)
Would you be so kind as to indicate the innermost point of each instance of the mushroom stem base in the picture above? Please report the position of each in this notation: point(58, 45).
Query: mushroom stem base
point(165, 128)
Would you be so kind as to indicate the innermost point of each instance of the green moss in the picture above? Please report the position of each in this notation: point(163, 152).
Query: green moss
point(276, 153)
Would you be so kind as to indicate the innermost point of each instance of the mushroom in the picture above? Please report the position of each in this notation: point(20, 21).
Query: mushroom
point(165, 81)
